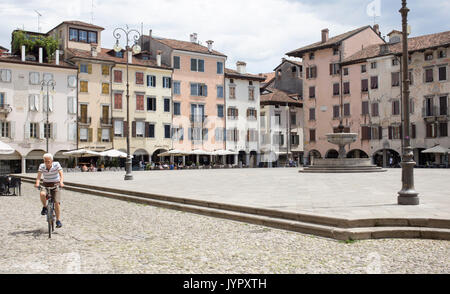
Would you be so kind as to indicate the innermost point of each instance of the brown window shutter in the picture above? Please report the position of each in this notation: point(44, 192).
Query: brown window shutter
point(147, 129)
point(99, 134)
point(125, 129)
point(413, 131)
point(390, 133)
point(380, 133)
point(133, 129)
point(307, 72)
point(331, 69)
point(89, 68)
point(90, 134)
point(401, 132)
point(315, 71)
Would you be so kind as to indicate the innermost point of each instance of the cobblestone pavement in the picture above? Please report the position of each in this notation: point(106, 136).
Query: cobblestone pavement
point(102, 235)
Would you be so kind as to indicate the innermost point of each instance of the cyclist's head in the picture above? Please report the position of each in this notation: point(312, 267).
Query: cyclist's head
point(48, 159)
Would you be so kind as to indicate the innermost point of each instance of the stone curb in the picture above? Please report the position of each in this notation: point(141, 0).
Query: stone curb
point(340, 229)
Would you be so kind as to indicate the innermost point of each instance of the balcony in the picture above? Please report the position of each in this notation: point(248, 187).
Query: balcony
point(105, 122)
point(198, 118)
point(435, 113)
point(84, 120)
point(5, 108)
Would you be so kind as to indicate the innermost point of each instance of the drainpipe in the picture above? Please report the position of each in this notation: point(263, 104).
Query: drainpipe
point(111, 95)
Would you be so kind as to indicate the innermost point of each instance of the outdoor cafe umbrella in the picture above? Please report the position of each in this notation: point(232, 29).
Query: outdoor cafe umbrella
point(437, 150)
point(114, 153)
point(82, 153)
point(5, 148)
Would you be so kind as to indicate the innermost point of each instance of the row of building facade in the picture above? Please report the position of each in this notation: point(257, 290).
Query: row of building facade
point(182, 96)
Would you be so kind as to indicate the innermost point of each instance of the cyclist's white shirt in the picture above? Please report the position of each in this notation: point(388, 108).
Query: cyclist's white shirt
point(52, 175)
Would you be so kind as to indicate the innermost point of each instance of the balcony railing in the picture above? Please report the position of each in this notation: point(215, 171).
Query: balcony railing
point(5, 108)
point(85, 120)
point(435, 111)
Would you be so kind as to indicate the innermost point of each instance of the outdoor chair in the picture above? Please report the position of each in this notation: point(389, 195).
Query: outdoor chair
point(4, 185)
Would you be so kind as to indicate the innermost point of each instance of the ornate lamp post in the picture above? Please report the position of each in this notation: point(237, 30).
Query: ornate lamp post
point(130, 35)
point(47, 84)
point(408, 195)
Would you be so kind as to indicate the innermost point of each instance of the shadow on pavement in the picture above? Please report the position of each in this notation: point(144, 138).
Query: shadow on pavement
point(34, 233)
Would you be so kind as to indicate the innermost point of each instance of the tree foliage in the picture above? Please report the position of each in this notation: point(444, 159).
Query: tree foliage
point(33, 43)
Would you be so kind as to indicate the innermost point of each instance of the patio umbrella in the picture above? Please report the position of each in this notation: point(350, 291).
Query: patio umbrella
point(224, 152)
point(5, 148)
point(200, 152)
point(81, 153)
point(114, 153)
point(437, 150)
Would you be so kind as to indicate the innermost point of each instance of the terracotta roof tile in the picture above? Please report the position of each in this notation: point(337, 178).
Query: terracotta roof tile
point(16, 59)
point(278, 97)
point(234, 73)
point(331, 41)
point(187, 46)
point(105, 55)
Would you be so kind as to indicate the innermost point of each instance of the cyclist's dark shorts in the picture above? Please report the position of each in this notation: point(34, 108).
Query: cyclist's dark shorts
point(55, 193)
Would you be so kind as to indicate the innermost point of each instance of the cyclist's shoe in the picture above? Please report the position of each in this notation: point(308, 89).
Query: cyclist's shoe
point(58, 224)
point(44, 211)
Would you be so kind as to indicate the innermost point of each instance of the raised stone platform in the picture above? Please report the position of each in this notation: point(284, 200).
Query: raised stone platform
point(342, 165)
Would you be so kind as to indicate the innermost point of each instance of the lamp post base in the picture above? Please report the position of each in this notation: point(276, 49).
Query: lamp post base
point(128, 167)
point(128, 177)
point(410, 199)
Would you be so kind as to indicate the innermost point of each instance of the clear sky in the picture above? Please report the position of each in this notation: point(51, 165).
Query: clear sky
point(258, 32)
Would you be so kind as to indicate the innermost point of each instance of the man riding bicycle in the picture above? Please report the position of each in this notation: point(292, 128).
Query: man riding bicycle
point(52, 173)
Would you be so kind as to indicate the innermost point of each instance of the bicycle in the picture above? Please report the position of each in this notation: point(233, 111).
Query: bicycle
point(51, 215)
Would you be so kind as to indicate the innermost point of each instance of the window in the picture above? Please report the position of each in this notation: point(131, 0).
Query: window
point(411, 106)
point(92, 37)
point(5, 75)
point(442, 53)
point(72, 81)
point(277, 121)
point(443, 106)
point(219, 91)
point(219, 68)
point(252, 135)
point(4, 129)
point(167, 131)
point(413, 131)
point(375, 112)
point(430, 129)
point(176, 62)
point(374, 82)
point(335, 111)
point(311, 56)
point(139, 78)
point(252, 114)
point(105, 88)
point(117, 76)
point(219, 110)
point(335, 51)
point(347, 88)
point(177, 108)
point(151, 131)
point(443, 129)
point(365, 108)
point(395, 132)
point(34, 78)
point(278, 139)
point(140, 129)
point(396, 107)
point(395, 62)
point(220, 134)
point(166, 105)
point(311, 72)
point(429, 75)
point(119, 54)
point(347, 109)
point(334, 69)
point(176, 88)
point(411, 77)
point(73, 35)
point(295, 139)
point(429, 107)
point(365, 85)
point(140, 102)
point(48, 76)
point(346, 71)
point(167, 82)
point(312, 114)
point(199, 89)
point(443, 73)
point(151, 81)
point(118, 101)
point(262, 119)
point(34, 130)
point(312, 135)
point(105, 70)
point(197, 65)
point(312, 92)
point(373, 65)
point(429, 56)
point(365, 133)
point(84, 134)
point(177, 134)
point(293, 119)
point(105, 135)
point(251, 93)
point(395, 79)
point(71, 105)
point(335, 89)
point(33, 101)
point(232, 113)
point(232, 135)
point(151, 103)
point(82, 36)
point(363, 68)
point(83, 86)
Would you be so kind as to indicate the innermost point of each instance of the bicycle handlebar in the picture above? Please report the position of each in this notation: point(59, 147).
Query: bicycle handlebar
point(49, 188)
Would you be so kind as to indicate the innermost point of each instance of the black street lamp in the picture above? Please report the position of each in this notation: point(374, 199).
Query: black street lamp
point(408, 195)
point(47, 84)
point(130, 35)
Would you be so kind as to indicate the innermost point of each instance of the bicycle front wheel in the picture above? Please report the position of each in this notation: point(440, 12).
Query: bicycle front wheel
point(50, 219)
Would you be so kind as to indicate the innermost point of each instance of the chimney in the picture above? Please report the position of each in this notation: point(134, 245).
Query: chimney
point(325, 33)
point(158, 57)
point(241, 67)
point(210, 43)
point(193, 37)
point(41, 55)
point(150, 33)
point(376, 28)
point(130, 57)
point(23, 53)
point(57, 57)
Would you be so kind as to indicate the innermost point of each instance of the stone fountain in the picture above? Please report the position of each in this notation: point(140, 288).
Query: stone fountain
point(342, 164)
